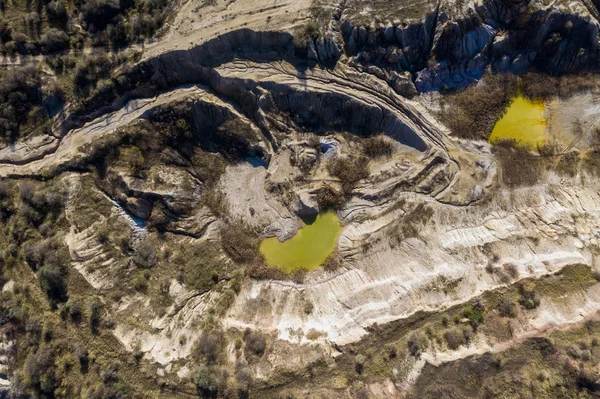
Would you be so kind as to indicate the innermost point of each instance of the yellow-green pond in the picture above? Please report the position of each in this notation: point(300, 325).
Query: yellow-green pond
point(523, 121)
point(308, 249)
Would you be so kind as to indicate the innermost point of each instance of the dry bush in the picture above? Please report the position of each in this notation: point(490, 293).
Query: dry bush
point(210, 346)
point(260, 271)
point(145, 255)
point(507, 308)
point(417, 342)
point(471, 113)
point(327, 197)
point(568, 164)
point(332, 263)
point(411, 223)
point(512, 270)
point(256, 343)
point(540, 86)
point(454, 338)
point(350, 170)
point(376, 147)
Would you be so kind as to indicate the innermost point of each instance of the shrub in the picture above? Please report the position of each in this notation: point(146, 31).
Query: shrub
point(95, 315)
point(512, 270)
point(54, 40)
point(84, 358)
point(471, 113)
point(39, 368)
point(202, 266)
point(53, 282)
point(541, 86)
point(308, 307)
point(206, 382)
point(473, 314)
point(102, 236)
point(416, 343)
point(392, 351)
point(454, 339)
point(255, 343)
point(57, 10)
point(528, 298)
point(238, 342)
point(239, 243)
point(332, 263)
point(243, 379)
point(359, 363)
point(507, 308)
point(134, 159)
point(519, 166)
point(145, 255)
point(210, 346)
point(140, 283)
point(74, 310)
point(327, 197)
point(182, 339)
point(20, 92)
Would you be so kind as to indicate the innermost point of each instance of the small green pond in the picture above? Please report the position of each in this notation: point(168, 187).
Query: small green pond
point(308, 249)
point(523, 121)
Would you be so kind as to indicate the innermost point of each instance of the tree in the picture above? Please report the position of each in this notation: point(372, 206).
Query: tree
point(54, 40)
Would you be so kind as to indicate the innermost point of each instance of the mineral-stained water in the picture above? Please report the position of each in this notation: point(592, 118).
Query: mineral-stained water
point(308, 249)
point(523, 121)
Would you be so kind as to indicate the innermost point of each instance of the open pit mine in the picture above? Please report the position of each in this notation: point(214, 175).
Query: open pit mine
point(299, 199)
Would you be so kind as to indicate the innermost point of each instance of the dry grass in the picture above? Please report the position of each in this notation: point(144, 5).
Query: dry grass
point(519, 166)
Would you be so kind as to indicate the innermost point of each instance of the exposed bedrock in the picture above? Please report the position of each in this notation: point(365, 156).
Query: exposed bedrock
point(511, 36)
point(449, 263)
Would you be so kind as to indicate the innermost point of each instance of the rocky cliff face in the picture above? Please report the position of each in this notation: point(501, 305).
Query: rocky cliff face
point(447, 53)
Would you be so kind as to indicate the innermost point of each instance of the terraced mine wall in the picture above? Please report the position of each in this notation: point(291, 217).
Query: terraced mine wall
point(433, 54)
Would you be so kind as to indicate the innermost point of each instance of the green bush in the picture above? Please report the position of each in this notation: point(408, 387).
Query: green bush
point(528, 298)
point(95, 315)
point(206, 382)
point(203, 265)
point(140, 282)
